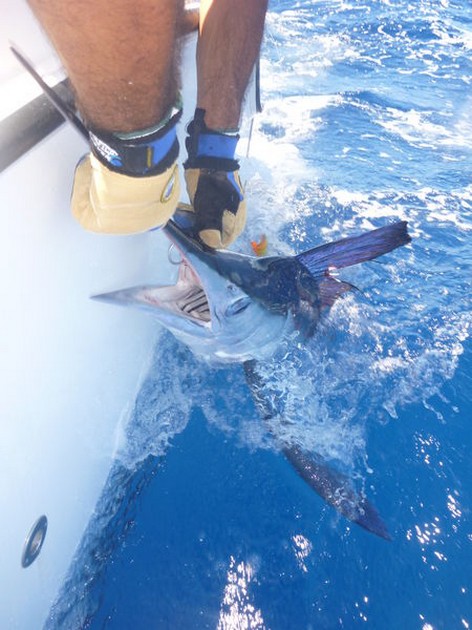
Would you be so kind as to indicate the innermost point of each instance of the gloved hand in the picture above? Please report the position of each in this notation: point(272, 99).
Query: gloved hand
point(108, 202)
point(128, 184)
point(218, 202)
point(213, 184)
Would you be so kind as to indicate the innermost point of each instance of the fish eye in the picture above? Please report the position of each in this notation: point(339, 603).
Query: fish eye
point(238, 307)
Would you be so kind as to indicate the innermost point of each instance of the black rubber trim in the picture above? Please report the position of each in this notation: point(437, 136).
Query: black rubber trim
point(30, 124)
point(212, 164)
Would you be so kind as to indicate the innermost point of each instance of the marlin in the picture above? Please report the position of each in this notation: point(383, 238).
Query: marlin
point(231, 307)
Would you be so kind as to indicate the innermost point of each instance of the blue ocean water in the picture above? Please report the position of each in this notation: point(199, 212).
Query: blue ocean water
point(367, 119)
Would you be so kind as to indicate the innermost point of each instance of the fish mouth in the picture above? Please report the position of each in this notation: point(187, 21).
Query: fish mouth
point(186, 297)
point(184, 300)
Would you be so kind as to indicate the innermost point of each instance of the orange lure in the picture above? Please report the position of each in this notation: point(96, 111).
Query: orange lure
point(260, 247)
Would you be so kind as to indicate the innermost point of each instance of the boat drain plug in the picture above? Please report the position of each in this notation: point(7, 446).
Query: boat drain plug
point(34, 542)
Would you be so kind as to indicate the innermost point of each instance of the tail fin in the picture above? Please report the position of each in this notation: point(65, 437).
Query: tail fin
point(333, 486)
point(356, 249)
point(337, 490)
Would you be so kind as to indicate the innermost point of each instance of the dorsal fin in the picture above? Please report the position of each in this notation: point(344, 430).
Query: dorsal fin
point(355, 249)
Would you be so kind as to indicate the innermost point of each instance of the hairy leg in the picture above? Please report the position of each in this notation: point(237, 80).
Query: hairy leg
point(230, 38)
point(121, 57)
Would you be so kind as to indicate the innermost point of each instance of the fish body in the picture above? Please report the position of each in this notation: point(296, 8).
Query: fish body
point(232, 307)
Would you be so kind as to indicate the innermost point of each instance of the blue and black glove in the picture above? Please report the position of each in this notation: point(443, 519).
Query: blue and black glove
point(213, 184)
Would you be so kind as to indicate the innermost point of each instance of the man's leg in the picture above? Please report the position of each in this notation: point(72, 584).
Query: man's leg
point(120, 57)
point(122, 60)
point(228, 48)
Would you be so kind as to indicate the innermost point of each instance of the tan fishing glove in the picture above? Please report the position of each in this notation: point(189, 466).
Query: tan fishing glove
point(105, 201)
point(128, 184)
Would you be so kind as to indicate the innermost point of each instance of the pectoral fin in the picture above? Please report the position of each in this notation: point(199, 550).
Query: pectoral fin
point(330, 289)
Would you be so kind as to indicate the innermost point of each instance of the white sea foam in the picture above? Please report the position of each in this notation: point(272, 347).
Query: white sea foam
point(417, 129)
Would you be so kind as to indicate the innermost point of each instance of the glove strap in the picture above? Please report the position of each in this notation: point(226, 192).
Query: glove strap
point(209, 148)
point(141, 154)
